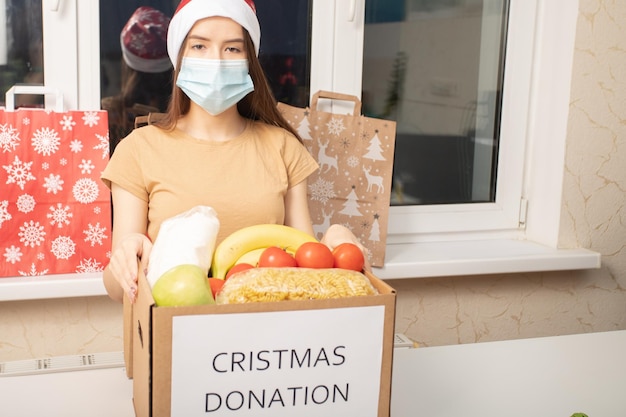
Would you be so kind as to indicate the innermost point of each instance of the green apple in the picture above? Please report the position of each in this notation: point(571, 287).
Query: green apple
point(183, 285)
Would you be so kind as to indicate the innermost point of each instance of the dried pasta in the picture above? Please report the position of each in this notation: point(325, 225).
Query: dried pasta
point(278, 284)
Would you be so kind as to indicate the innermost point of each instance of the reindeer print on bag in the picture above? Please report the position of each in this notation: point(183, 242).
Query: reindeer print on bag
point(326, 161)
point(353, 184)
point(374, 180)
point(320, 228)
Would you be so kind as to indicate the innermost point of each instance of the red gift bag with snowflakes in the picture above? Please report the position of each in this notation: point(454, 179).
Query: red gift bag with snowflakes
point(353, 184)
point(55, 212)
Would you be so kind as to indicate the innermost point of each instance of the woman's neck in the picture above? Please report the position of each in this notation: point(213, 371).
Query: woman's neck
point(202, 125)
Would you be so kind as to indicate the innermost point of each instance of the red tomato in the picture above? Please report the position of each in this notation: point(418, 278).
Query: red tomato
point(349, 256)
point(275, 257)
point(237, 268)
point(216, 285)
point(314, 255)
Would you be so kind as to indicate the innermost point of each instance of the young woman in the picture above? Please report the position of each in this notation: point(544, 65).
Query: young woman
point(222, 144)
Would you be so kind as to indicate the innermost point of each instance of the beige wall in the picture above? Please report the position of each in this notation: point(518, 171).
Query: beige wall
point(461, 309)
point(55, 327)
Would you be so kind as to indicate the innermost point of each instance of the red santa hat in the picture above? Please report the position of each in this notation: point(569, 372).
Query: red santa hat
point(143, 40)
point(190, 11)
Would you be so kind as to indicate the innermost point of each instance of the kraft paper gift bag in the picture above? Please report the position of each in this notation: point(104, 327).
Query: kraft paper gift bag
point(355, 154)
point(55, 212)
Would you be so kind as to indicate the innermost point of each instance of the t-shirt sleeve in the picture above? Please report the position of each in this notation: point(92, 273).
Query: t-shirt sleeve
point(124, 168)
point(298, 161)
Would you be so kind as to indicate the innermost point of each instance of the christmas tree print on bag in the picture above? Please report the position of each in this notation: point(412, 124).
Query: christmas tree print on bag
point(353, 184)
point(55, 213)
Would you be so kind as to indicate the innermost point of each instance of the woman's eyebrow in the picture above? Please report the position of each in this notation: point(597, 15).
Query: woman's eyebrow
point(202, 38)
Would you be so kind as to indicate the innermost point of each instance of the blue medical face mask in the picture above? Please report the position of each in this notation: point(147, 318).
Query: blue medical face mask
point(215, 84)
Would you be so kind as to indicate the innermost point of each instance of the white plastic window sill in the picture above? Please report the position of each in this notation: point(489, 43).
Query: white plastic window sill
point(51, 286)
point(415, 260)
point(479, 257)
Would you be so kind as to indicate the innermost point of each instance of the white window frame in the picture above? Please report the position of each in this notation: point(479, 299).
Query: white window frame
point(341, 71)
point(519, 231)
point(514, 234)
point(72, 62)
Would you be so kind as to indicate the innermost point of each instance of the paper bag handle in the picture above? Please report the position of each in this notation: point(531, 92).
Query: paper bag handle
point(337, 96)
point(32, 89)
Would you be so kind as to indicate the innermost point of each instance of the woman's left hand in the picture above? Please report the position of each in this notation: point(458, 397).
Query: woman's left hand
point(337, 234)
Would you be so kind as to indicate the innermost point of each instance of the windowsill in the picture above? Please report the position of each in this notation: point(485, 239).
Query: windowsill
point(415, 260)
point(51, 286)
point(480, 257)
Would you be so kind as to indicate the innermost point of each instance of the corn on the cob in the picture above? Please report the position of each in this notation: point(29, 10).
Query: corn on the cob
point(277, 284)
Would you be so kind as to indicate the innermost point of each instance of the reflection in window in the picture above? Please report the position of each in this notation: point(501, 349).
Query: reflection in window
point(136, 74)
point(21, 48)
point(436, 68)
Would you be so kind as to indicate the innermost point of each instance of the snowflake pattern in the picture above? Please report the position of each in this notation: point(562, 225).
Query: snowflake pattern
point(26, 203)
point(353, 161)
point(321, 190)
point(19, 172)
point(95, 234)
point(91, 118)
point(4, 212)
point(103, 145)
point(9, 138)
point(12, 254)
point(63, 247)
point(31, 234)
point(85, 190)
point(335, 126)
point(59, 215)
point(76, 146)
point(67, 123)
point(53, 183)
point(33, 272)
point(46, 141)
point(86, 166)
point(51, 204)
point(89, 265)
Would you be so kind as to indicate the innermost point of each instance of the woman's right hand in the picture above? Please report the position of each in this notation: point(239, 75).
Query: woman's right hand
point(131, 253)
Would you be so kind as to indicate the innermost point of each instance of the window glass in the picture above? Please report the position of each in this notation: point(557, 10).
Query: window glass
point(21, 48)
point(435, 67)
point(285, 48)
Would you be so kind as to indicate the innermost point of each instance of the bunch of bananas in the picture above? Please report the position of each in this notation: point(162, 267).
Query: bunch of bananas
point(247, 244)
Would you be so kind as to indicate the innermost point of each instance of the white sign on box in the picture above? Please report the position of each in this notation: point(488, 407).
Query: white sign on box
point(305, 363)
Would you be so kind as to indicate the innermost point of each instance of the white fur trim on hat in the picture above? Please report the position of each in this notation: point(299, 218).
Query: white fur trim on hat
point(143, 40)
point(188, 14)
point(147, 65)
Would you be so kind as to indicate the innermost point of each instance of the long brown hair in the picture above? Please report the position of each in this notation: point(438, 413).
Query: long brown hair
point(260, 104)
point(152, 89)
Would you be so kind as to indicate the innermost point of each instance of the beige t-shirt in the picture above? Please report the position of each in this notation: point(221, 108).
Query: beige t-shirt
point(244, 179)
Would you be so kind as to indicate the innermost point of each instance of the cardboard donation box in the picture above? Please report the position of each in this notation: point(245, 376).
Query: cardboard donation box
point(329, 357)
